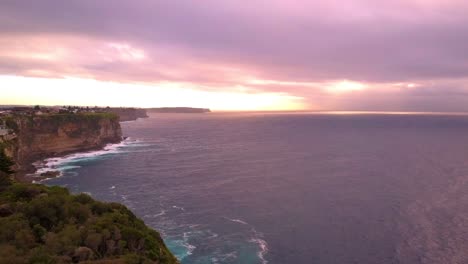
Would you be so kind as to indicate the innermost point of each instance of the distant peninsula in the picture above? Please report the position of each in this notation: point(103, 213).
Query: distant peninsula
point(127, 113)
point(181, 110)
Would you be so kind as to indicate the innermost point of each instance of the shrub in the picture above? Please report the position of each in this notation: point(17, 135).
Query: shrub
point(5, 163)
point(49, 225)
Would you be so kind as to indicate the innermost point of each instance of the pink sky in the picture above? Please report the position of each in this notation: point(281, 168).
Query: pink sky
point(237, 55)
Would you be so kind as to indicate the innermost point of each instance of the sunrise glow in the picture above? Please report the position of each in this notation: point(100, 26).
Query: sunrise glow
point(344, 86)
point(88, 92)
point(296, 56)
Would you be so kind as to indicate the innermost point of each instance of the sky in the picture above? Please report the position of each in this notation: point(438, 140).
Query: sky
point(362, 55)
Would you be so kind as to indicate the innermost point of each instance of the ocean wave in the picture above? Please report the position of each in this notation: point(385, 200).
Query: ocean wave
point(181, 247)
point(231, 256)
point(178, 207)
point(237, 221)
point(126, 201)
point(212, 234)
point(189, 246)
point(256, 239)
point(262, 244)
point(163, 212)
point(68, 162)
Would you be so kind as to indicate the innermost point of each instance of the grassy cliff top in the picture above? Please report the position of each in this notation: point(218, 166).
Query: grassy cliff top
point(40, 224)
point(79, 116)
point(12, 120)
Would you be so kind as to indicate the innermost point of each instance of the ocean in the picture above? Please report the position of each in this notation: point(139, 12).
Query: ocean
point(290, 188)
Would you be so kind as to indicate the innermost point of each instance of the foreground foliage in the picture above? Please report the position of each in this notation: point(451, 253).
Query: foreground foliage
point(5, 162)
point(40, 224)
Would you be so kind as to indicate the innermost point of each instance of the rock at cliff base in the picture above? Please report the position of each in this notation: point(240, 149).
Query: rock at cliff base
point(50, 174)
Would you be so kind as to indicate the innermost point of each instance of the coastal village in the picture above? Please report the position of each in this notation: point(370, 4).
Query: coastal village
point(40, 110)
point(125, 113)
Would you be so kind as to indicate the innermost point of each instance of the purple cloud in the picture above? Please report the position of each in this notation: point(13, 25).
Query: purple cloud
point(220, 44)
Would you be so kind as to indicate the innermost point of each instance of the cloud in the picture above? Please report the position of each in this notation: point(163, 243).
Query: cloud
point(298, 47)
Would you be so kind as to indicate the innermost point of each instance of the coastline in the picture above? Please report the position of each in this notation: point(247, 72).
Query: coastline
point(72, 137)
point(124, 238)
point(28, 174)
point(50, 165)
point(186, 240)
point(37, 137)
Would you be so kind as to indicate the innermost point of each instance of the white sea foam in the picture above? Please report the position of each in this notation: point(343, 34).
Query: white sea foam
point(181, 247)
point(257, 239)
point(127, 201)
point(150, 216)
point(262, 244)
point(62, 164)
point(178, 207)
point(190, 247)
point(163, 212)
point(237, 221)
point(212, 234)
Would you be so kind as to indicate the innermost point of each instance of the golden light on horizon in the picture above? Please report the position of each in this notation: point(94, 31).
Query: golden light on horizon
point(17, 90)
point(334, 87)
point(344, 86)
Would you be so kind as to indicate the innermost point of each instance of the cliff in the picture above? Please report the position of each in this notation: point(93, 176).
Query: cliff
point(40, 224)
point(42, 136)
point(182, 110)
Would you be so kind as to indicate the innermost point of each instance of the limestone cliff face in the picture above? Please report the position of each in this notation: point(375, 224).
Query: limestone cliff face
point(39, 137)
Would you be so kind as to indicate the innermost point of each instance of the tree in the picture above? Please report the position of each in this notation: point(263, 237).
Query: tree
point(5, 163)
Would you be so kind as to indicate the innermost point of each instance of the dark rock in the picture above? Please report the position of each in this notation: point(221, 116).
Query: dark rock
point(50, 174)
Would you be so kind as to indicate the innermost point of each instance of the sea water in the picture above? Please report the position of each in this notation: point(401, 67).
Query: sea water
point(289, 188)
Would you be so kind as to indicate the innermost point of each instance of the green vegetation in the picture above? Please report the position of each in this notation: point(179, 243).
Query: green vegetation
point(13, 120)
point(80, 116)
point(5, 169)
point(5, 162)
point(46, 225)
point(40, 224)
point(11, 123)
